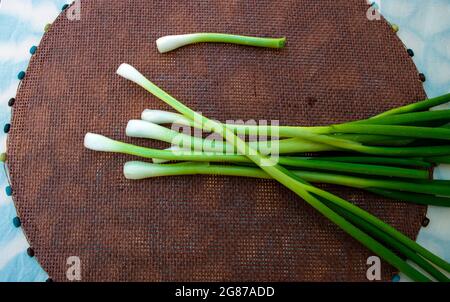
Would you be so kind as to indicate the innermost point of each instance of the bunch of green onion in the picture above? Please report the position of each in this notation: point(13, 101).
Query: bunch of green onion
point(391, 155)
point(388, 155)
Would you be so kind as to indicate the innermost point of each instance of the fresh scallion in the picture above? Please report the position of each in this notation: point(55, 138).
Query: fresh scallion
point(169, 43)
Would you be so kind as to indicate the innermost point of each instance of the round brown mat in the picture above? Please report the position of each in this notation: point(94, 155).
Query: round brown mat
point(337, 66)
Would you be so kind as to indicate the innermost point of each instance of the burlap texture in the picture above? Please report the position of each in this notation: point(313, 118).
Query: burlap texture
point(337, 66)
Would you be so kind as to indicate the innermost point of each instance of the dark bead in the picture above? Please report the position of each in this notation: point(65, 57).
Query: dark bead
point(11, 102)
point(30, 252)
point(33, 50)
point(425, 222)
point(9, 191)
point(65, 6)
point(16, 222)
point(7, 128)
point(49, 280)
point(396, 278)
point(422, 77)
point(410, 52)
point(21, 75)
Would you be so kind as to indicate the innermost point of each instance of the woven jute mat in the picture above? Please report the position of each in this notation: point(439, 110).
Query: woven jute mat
point(337, 66)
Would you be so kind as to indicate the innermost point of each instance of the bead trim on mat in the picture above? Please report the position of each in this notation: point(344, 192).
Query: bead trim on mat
point(16, 222)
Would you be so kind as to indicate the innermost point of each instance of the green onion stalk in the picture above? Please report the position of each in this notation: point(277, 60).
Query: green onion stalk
point(424, 193)
point(98, 142)
point(317, 198)
point(169, 43)
point(164, 117)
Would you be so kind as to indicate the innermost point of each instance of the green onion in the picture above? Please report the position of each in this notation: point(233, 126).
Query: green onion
point(144, 129)
point(148, 130)
point(298, 185)
point(379, 170)
point(428, 151)
point(165, 117)
point(439, 159)
point(101, 143)
point(408, 162)
point(407, 118)
point(407, 131)
point(418, 106)
point(169, 43)
point(161, 117)
point(425, 199)
point(403, 249)
point(147, 170)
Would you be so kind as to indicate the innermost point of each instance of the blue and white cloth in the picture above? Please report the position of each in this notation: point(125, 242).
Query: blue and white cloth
point(424, 27)
point(22, 24)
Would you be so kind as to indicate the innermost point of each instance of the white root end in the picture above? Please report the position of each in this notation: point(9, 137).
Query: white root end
point(136, 170)
point(97, 142)
point(169, 43)
point(130, 73)
point(143, 129)
point(164, 117)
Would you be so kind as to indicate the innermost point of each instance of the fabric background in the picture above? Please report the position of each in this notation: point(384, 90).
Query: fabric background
point(424, 27)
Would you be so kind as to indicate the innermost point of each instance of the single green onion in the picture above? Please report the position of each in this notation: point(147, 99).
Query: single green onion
point(97, 142)
point(165, 117)
point(148, 170)
point(144, 129)
point(169, 43)
point(406, 131)
point(407, 162)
